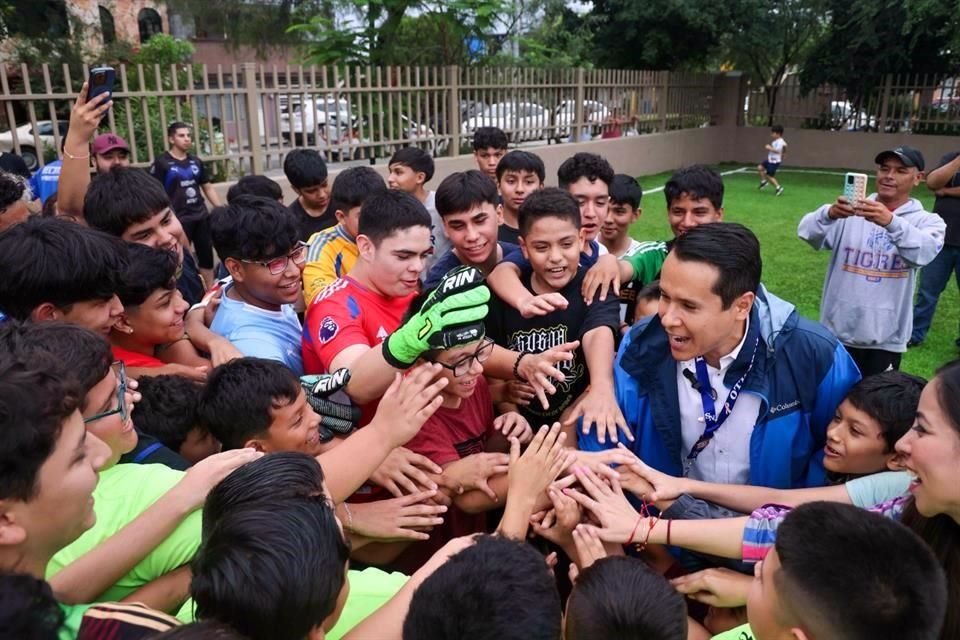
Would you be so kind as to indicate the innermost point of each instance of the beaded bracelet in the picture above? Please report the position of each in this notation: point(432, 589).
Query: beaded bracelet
point(516, 366)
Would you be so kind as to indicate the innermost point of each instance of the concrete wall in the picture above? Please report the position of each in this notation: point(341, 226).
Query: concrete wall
point(657, 152)
point(835, 149)
point(634, 155)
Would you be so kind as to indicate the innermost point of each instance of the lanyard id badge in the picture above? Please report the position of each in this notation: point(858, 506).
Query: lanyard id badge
point(711, 418)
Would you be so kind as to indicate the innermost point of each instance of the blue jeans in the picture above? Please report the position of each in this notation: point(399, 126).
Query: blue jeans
point(933, 280)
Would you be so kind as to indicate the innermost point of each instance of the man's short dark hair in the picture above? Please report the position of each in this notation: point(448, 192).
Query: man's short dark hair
point(12, 188)
point(57, 261)
point(34, 404)
point(174, 126)
point(415, 158)
point(550, 202)
point(489, 137)
point(518, 160)
point(272, 573)
point(240, 396)
point(625, 190)
point(352, 187)
point(732, 249)
point(168, 408)
point(122, 197)
point(864, 577)
point(621, 598)
point(584, 165)
point(255, 186)
point(76, 353)
point(777, 128)
point(253, 228)
point(697, 181)
point(28, 610)
point(464, 190)
point(495, 589)
point(383, 215)
point(149, 269)
point(305, 168)
point(890, 398)
point(276, 476)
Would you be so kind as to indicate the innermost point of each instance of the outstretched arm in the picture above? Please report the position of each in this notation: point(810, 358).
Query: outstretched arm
point(96, 571)
point(75, 170)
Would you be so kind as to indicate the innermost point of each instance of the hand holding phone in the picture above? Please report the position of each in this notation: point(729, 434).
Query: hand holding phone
point(855, 187)
point(101, 81)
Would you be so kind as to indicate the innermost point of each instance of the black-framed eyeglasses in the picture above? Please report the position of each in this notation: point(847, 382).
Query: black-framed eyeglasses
point(121, 408)
point(276, 266)
point(462, 366)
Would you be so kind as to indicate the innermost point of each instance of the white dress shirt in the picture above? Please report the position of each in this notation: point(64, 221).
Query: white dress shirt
point(726, 458)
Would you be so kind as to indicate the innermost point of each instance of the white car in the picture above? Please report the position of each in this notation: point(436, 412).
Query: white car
point(843, 116)
point(329, 116)
point(519, 120)
point(594, 115)
point(28, 144)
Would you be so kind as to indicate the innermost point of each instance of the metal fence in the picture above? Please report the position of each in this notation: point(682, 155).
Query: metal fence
point(922, 104)
point(247, 117)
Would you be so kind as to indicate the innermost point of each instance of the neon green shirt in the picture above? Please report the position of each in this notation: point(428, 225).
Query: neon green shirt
point(743, 632)
point(123, 493)
point(72, 617)
point(369, 590)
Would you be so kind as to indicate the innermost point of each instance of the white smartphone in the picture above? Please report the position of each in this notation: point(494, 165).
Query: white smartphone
point(855, 186)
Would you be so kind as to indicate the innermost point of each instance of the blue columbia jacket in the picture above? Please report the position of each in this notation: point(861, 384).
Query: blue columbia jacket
point(801, 374)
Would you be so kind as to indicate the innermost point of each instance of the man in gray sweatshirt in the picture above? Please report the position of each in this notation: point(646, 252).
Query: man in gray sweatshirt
point(878, 245)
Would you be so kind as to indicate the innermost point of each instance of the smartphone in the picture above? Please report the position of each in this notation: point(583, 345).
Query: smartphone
point(855, 186)
point(101, 81)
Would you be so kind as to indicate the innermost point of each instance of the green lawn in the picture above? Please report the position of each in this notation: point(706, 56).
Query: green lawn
point(791, 268)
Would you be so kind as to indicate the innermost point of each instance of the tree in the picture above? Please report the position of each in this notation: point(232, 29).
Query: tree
point(867, 39)
point(768, 38)
point(387, 35)
point(258, 24)
point(658, 34)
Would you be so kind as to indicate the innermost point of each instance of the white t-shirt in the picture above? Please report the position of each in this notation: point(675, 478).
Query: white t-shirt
point(776, 156)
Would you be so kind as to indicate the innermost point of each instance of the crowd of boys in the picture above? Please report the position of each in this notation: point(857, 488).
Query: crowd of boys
point(372, 423)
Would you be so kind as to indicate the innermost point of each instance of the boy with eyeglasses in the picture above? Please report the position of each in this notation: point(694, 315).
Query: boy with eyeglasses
point(464, 438)
point(258, 241)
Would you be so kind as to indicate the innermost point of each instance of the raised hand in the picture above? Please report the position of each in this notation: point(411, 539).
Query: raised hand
point(408, 402)
point(405, 472)
point(538, 368)
point(716, 587)
point(513, 425)
point(619, 521)
point(406, 518)
point(460, 299)
point(202, 477)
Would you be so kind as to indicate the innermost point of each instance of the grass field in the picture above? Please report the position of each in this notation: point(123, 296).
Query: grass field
point(791, 268)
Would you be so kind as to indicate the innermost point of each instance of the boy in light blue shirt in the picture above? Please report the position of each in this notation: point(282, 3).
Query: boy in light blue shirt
point(258, 241)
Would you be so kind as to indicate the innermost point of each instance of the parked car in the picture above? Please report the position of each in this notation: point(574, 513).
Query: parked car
point(328, 116)
point(594, 115)
point(520, 120)
point(423, 136)
point(28, 144)
point(842, 116)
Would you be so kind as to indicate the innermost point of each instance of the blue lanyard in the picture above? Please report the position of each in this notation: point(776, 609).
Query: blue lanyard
point(711, 418)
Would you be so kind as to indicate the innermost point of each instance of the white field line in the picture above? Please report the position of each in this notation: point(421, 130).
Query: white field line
point(722, 173)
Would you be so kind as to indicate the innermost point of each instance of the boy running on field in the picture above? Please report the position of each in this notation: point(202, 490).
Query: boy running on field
point(775, 149)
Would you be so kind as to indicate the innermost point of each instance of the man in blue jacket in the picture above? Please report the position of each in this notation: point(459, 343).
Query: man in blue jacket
point(728, 383)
